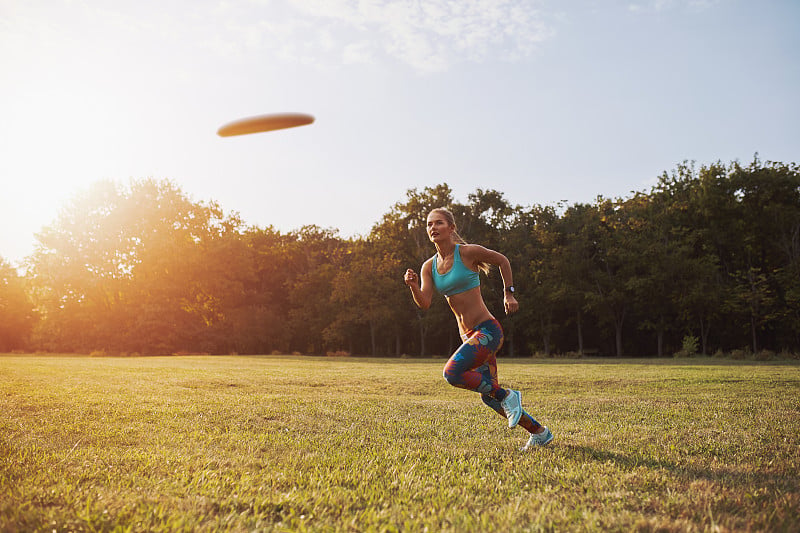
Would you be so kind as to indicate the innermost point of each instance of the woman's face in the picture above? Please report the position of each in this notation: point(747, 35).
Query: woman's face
point(439, 229)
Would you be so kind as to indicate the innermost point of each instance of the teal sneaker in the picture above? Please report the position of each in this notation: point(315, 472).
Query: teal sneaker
point(512, 407)
point(539, 439)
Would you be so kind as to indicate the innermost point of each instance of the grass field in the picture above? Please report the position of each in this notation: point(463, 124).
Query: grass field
point(345, 444)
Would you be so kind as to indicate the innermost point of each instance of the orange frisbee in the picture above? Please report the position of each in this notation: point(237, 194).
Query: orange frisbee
point(260, 123)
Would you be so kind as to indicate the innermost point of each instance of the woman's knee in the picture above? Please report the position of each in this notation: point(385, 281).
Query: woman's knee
point(451, 377)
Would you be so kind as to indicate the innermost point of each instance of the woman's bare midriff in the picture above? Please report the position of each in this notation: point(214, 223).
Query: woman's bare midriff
point(469, 309)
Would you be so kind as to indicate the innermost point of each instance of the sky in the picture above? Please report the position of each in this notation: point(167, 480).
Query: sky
point(542, 100)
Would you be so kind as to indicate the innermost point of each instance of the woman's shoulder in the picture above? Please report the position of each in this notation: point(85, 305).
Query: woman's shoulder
point(470, 250)
point(475, 253)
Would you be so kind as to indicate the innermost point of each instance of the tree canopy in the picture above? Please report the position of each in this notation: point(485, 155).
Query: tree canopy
point(710, 253)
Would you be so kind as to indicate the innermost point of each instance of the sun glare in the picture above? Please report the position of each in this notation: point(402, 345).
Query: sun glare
point(67, 129)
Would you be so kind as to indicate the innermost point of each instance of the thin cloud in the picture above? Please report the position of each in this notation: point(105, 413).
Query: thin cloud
point(360, 52)
point(428, 36)
point(664, 5)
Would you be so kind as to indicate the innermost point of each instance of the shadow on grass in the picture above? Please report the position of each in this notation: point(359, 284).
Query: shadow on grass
point(690, 472)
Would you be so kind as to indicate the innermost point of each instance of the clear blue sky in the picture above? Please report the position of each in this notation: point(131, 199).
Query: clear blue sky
point(542, 100)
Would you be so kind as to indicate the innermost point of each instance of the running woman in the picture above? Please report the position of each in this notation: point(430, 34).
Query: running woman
point(453, 272)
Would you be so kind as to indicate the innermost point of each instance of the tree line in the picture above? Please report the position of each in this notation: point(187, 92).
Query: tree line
point(708, 260)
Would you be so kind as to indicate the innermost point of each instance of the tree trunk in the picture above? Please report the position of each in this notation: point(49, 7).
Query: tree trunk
point(372, 338)
point(704, 327)
point(546, 326)
point(580, 332)
point(618, 334)
point(661, 343)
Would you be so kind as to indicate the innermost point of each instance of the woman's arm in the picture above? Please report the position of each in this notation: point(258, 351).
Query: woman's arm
point(422, 294)
point(473, 254)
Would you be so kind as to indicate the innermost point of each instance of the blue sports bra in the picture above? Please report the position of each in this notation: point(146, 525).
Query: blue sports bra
point(458, 279)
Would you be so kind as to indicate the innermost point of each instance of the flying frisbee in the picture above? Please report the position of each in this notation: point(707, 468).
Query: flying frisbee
point(260, 123)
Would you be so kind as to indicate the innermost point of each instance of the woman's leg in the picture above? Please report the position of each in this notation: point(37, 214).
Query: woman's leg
point(489, 371)
point(465, 368)
point(526, 420)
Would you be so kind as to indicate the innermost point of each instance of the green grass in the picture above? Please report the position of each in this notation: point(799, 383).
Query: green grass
point(296, 443)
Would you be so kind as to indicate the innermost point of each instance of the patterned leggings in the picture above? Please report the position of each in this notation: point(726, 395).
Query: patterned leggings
point(473, 366)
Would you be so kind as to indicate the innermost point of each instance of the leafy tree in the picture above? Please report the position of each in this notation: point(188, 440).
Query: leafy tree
point(404, 229)
point(532, 250)
point(17, 316)
point(317, 255)
point(573, 256)
point(363, 291)
point(118, 270)
point(752, 297)
point(696, 280)
point(259, 324)
point(713, 250)
point(611, 297)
